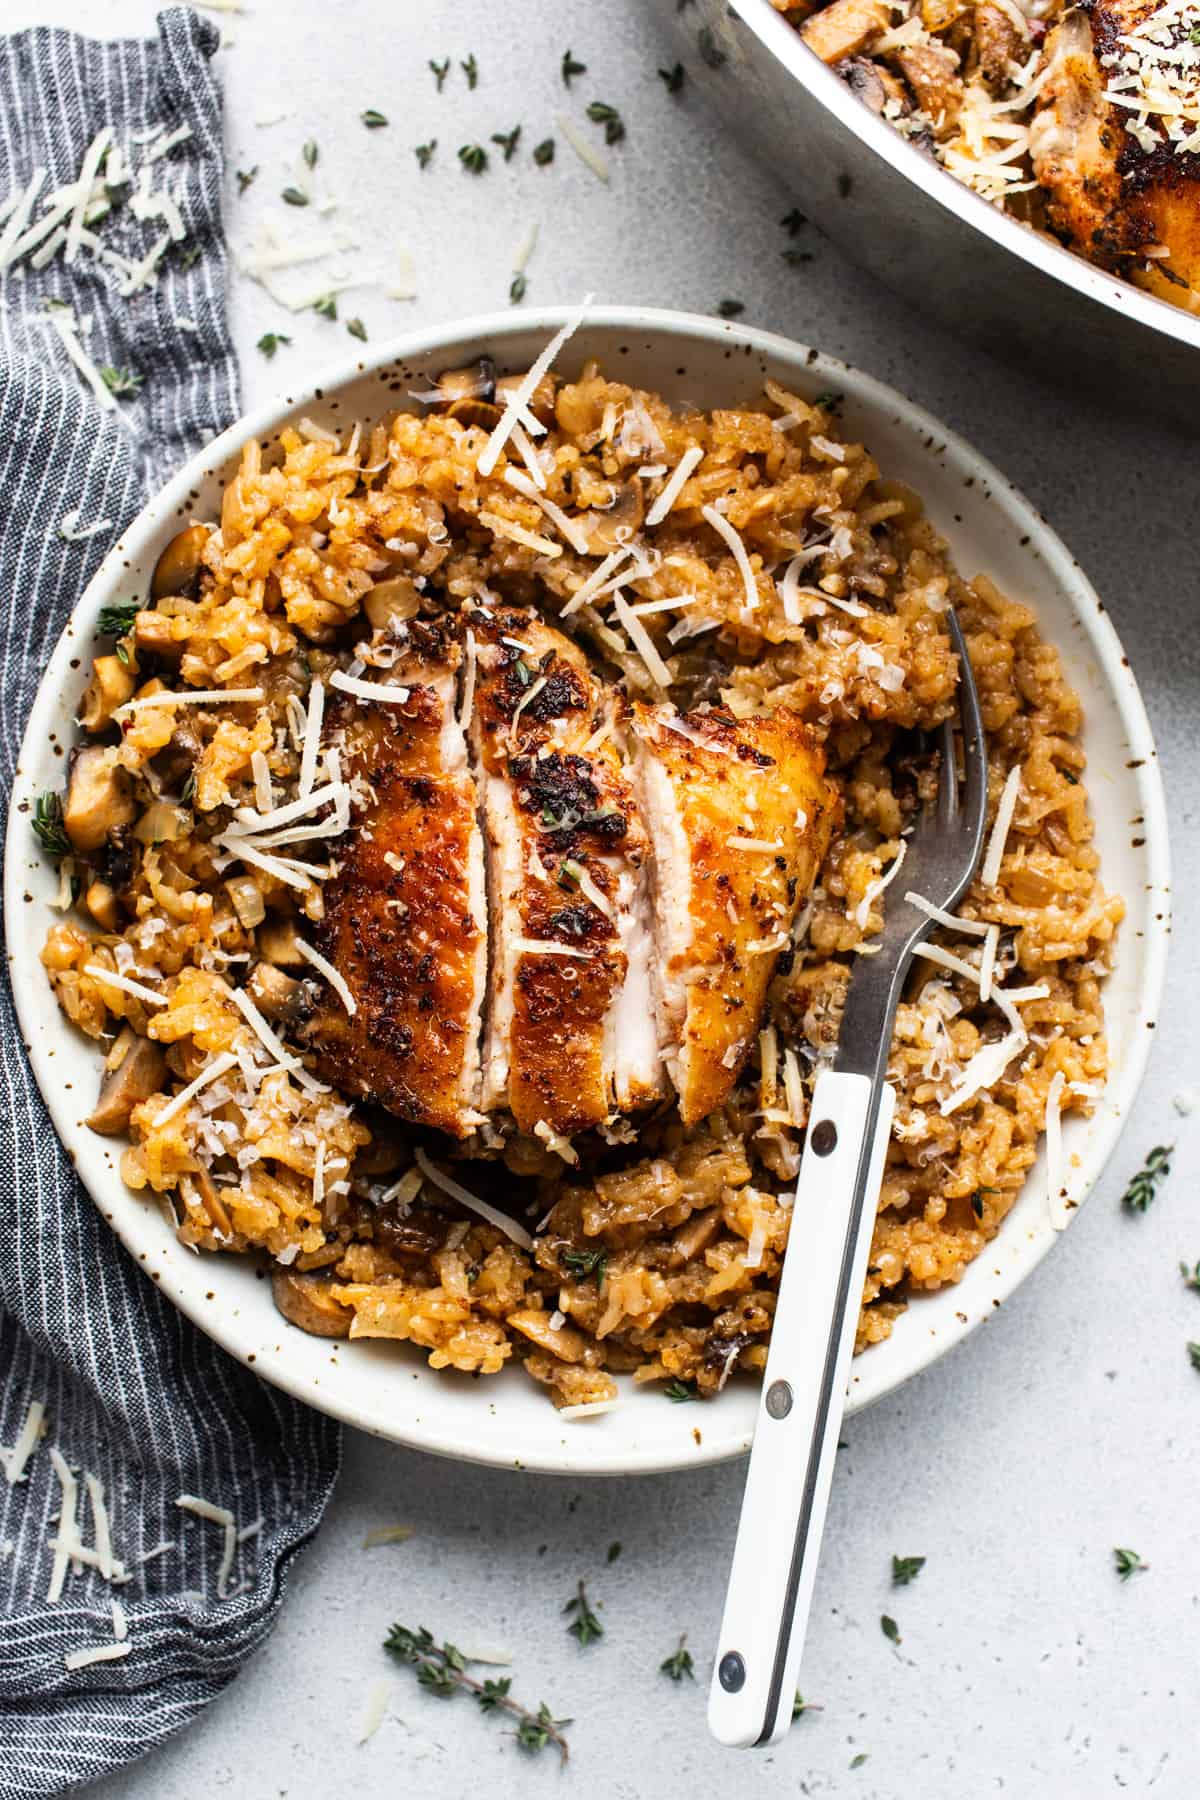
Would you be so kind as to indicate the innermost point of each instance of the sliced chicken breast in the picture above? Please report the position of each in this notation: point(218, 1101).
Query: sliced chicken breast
point(1117, 188)
point(406, 916)
point(570, 1035)
point(740, 816)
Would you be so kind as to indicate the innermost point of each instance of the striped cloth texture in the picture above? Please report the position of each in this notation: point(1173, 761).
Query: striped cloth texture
point(134, 1395)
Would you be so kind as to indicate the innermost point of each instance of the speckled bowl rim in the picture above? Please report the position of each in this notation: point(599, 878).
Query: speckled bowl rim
point(487, 1422)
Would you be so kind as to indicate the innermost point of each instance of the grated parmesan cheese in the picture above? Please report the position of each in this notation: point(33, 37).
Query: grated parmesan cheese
point(641, 640)
point(517, 534)
point(969, 927)
point(862, 911)
point(586, 152)
point(570, 528)
point(15, 1461)
point(989, 869)
point(211, 1072)
point(369, 690)
point(472, 1202)
point(95, 1653)
point(1060, 1213)
point(191, 697)
point(128, 986)
point(724, 529)
point(595, 581)
point(375, 1711)
point(519, 399)
point(683, 468)
point(588, 1409)
point(216, 1515)
point(333, 976)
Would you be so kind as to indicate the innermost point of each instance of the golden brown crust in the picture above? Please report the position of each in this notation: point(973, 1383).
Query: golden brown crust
point(573, 809)
point(763, 781)
point(399, 921)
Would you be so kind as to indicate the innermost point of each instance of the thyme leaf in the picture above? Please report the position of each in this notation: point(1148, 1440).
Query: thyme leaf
point(326, 306)
point(1143, 1188)
point(1127, 1563)
point(310, 153)
point(424, 153)
point(122, 383)
point(508, 141)
point(294, 196)
point(679, 1391)
point(245, 178)
point(470, 69)
point(543, 153)
point(48, 827)
point(730, 309)
point(585, 1263)
point(906, 1569)
point(600, 113)
point(473, 157)
point(516, 290)
point(571, 68)
point(889, 1628)
point(679, 1663)
point(673, 78)
point(585, 1627)
point(373, 120)
point(270, 341)
point(440, 72)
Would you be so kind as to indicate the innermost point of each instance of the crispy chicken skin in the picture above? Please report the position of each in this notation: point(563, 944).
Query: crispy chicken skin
point(567, 1042)
point(1107, 195)
point(405, 918)
point(712, 790)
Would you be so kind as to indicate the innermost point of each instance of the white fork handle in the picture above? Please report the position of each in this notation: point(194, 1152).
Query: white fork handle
point(800, 1412)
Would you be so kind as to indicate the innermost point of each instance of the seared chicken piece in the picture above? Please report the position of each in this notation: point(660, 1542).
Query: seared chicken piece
point(1116, 186)
point(571, 1035)
point(406, 918)
point(740, 815)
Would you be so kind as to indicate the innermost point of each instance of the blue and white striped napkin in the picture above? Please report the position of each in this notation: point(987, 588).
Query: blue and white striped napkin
point(139, 1408)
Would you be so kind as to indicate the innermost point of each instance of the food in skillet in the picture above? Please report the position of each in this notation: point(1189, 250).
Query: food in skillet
point(1082, 121)
point(473, 832)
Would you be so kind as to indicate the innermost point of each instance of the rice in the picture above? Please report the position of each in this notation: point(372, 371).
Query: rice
point(658, 1256)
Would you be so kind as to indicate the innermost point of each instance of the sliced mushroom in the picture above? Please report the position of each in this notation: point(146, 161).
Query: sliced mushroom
point(98, 797)
point(277, 943)
point(101, 902)
point(564, 1342)
point(141, 1072)
point(615, 526)
point(152, 635)
point(540, 402)
point(177, 571)
point(305, 1301)
point(381, 1156)
point(396, 599)
point(476, 382)
point(278, 996)
point(112, 684)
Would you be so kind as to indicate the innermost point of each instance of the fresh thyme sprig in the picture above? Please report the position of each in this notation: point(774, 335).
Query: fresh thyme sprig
point(48, 825)
point(1128, 1563)
point(116, 621)
point(585, 1626)
point(1142, 1189)
point(906, 1569)
point(442, 1669)
point(585, 1263)
point(679, 1663)
point(121, 383)
point(800, 1706)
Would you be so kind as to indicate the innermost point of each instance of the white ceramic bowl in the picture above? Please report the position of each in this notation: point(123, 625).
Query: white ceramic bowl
point(387, 1388)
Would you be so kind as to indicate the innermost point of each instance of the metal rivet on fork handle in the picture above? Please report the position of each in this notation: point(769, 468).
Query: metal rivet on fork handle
point(823, 1137)
point(779, 1400)
point(732, 1673)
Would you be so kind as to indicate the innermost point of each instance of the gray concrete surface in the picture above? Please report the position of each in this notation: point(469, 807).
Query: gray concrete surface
point(1072, 1423)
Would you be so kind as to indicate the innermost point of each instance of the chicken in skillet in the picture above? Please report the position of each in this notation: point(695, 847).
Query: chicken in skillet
point(1115, 141)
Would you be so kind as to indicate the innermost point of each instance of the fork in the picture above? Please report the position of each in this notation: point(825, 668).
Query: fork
point(804, 1385)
